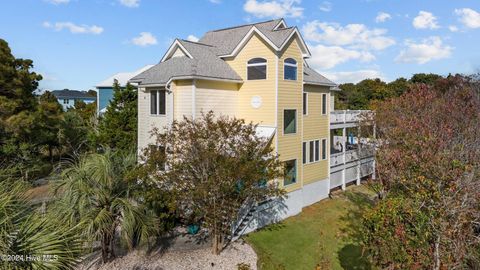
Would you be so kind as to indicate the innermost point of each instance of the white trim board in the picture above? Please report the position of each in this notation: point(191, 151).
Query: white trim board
point(254, 30)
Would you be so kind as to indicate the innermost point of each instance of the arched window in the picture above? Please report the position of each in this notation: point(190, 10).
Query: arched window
point(257, 69)
point(290, 69)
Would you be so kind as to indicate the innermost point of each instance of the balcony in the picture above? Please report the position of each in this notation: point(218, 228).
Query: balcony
point(346, 118)
point(351, 165)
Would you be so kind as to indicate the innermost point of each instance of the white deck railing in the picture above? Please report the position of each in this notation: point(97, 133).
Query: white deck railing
point(349, 156)
point(345, 116)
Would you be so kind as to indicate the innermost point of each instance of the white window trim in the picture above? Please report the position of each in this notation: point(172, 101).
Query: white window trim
point(257, 65)
point(296, 122)
point(290, 65)
point(306, 104)
point(326, 104)
point(157, 113)
point(307, 151)
point(321, 149)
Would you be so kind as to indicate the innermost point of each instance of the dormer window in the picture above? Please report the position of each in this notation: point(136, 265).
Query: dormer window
point(257, 69)
point(290, 69)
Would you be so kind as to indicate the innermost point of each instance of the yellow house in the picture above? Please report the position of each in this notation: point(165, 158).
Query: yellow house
point(257, 72)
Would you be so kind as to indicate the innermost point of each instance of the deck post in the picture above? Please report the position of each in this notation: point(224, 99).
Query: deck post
point(344, 149)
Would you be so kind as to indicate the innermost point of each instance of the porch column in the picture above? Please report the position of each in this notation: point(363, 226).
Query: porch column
point(344, 148)
point(359, 156)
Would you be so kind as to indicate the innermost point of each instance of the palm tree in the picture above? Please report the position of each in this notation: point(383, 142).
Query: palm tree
point(35, 240)
point(96, 193)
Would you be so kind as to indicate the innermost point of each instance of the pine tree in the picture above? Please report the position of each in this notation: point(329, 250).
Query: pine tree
point(118, 126)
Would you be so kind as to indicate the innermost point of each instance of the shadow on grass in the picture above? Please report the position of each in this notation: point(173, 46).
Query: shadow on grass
point(352, 255)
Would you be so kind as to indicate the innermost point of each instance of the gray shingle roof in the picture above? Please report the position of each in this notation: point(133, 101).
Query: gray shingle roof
point(310, 76)
point(204, 64)
point(225, 40)
point(67, 93)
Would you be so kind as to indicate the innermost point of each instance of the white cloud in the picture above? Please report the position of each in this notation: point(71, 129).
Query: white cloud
point(469, 17)
point(130, 3)
point(192, 38)
point(215, 1)
point(326, 6)
point(74, 28)
point(382, 17)
point(453, 28)
point(425, 20)
point(353, 76)
point(145, 39)
point(58, 2)
point(274, 8)
point(353, 35)
point(430, 49)
point(326, 57)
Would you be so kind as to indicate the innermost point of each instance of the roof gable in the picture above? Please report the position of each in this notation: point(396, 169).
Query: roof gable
point(176, 45)
point(229, 41)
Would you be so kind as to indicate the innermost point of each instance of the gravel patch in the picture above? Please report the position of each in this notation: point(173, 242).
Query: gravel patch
point(202, 258)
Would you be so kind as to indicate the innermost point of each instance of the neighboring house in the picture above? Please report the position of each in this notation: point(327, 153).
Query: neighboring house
point(105, 88)
point(257, 72)
point(67, 97)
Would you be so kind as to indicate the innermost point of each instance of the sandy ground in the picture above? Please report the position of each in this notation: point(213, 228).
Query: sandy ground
point(182, 259)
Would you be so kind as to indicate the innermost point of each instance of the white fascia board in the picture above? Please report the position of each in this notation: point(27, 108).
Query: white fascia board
point(176, 44)
point(195, 78)
point(321, 84)
point(245, 39)
point(305, 50)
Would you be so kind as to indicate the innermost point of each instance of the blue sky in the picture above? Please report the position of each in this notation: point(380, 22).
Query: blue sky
point(78, 43)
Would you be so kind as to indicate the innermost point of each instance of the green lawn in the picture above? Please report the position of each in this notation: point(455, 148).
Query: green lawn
point(323, 235)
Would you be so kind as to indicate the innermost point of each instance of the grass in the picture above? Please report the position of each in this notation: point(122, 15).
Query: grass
point(324, 235)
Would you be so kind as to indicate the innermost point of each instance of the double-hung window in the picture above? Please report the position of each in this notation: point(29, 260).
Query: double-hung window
point(257, 69)
point(290, 69)
point(158, 102)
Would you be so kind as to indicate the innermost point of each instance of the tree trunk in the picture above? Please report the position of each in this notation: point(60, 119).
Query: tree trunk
point(436, 254)
point(217, 243)
point(107, 247)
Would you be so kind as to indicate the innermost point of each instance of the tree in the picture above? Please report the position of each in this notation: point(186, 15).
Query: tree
point(97, 193)
point(118, 127)
point(399, 86)
point(74, 134)
point(424, 78)
point(212, 166)
point(48, 118)
point(366, 94)
point(428, 163)
point(24, 232)
point(19, 147)
point(17, 82)
point(86, 111)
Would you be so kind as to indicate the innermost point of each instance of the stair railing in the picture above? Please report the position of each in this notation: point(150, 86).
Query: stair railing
point(245, 208)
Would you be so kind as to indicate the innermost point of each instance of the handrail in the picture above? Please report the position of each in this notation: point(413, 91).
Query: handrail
point(242, 213)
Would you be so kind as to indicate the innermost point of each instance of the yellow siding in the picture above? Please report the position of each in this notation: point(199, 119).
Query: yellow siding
point(290, 97)
point(264, 115)
point(182, 92)
point(315, 127)
point(232, 99)
point(219, 97)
